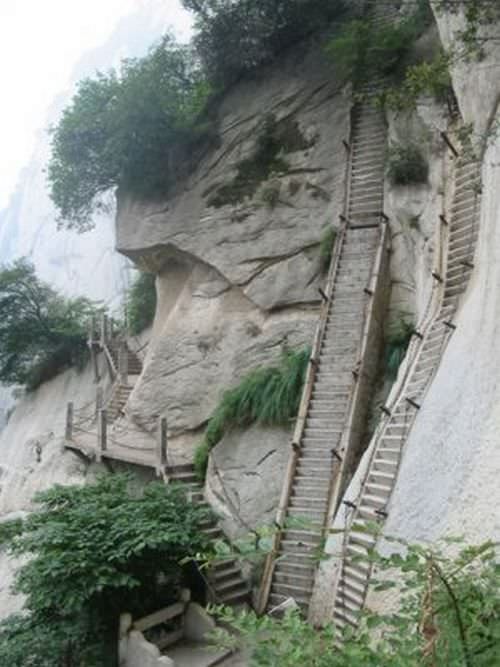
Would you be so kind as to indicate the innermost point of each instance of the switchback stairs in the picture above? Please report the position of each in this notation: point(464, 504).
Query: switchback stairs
point(451, 276)
point(342, 369)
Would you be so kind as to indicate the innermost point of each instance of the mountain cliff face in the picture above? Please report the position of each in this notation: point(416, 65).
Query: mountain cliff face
point(238, 273)
point(238, 278)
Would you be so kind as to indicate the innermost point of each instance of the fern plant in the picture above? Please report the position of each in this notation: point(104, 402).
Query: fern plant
point(269, 396)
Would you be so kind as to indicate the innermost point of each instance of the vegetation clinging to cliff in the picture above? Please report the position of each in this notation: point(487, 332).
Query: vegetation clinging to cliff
point(141, 303)
point(95, 552)
point(234, 38)
point(127, 129)
point(407, 165)
point(41, 331)
point(269, 396)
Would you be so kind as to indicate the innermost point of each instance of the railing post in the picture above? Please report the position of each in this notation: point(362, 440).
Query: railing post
point(69, 421)
point(99, 401)
point(162, 444)
point(123, 363)
point(92, 330)
point(102, 434)
point(104, 329)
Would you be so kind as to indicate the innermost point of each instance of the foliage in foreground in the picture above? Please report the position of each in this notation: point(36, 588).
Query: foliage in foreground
point(449, 617)
point(407, 165)
point(41, 332)
point(141, 303)
point(96, 551)
point(269, 396)
point(130, 129)
point(235, 38)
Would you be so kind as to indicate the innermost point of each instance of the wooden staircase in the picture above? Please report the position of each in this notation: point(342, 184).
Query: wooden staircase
point(459, 235)
point(333, 410)
point(226, 584)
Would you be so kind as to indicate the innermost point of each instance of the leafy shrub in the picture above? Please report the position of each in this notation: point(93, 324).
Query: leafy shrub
point(141, 303)
point(326, 248)
point(9, 530)
point(234, 38)
point(396, 345)
point(407, 166)
point(96, 551)
point(449, 616)
point(41, 332)
point(269, 396)
point(363, 50)
point(130, 129)
point(427, 78)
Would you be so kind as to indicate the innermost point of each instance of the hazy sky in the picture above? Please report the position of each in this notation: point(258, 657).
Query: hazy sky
point(40, 43)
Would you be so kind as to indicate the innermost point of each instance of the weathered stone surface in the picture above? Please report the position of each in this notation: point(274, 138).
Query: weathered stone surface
point(202, 345)
point(245, 478)
point(254, 245)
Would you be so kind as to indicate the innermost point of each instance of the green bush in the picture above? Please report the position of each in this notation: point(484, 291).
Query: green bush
point(141, 303)
point(8, 531)
point(269, 396)
point(407, 166)
point(427, 78)
point(396, 345)
point(94, 552)
point(326, 248)
point(135, 129)
point(41, 332)
point(363, 50)
point(233, 38)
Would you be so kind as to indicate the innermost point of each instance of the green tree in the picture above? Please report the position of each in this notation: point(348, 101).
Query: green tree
point(130, 128)
point(96, 551)
point(41, 332)
point(141, 302)
point(235, 38)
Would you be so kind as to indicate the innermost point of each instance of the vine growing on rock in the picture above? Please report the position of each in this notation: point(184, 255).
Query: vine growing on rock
point(269, 396)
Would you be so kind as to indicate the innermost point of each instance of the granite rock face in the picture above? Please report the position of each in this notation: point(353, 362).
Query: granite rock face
point(245, 478)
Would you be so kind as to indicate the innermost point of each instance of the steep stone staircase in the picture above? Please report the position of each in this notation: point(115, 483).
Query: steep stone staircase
point(225, 581)
point(343, 365)
point(124, 371)
point(459, 235)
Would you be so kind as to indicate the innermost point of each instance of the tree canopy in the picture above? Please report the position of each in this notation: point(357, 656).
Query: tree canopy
point(234, 38)
point(126, 128)
point(41, 332)
point(96, 551)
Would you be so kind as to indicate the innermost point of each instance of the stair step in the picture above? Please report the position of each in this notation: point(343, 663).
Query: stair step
point(296, 591)
point(293, 580)
point(235, 597)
